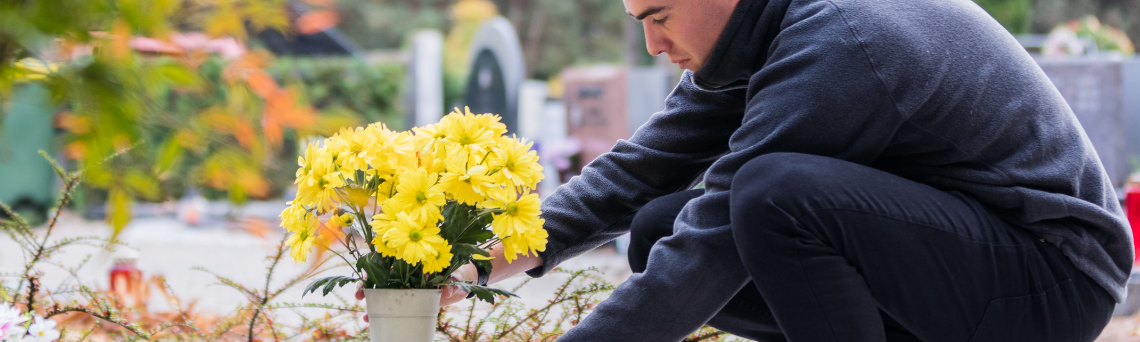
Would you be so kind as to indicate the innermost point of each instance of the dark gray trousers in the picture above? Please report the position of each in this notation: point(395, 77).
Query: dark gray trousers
point(843, 252)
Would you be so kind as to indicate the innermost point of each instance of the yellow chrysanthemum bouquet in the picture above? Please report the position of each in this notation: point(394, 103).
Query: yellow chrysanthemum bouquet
point(425, 203)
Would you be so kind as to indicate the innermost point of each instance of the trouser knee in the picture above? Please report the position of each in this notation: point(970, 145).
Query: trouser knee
point(653, 222)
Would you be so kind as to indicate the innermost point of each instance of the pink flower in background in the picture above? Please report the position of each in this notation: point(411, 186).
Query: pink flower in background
point(227, 47)
point(560, 152)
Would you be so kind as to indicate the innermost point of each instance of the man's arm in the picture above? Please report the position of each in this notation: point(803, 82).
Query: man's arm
point(664, 156)
point(667, 154)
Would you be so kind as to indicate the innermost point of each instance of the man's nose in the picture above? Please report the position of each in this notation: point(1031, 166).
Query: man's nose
point(655, 42)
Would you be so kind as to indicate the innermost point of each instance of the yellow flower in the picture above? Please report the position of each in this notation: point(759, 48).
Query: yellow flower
point(426, 135)
point(466, 185)
point(441, 260)
point(305, 161)
point(520, 214)
point(516, 163)
point(532, 241)
point(304, 233)
point(292, 218)
point(395, 151)
point(467, 131)
point(386, 189)
point(381, 223)
point(491, 122)
point(354, 149)
point(320, 193)
point(414, 241)
point(418, 194)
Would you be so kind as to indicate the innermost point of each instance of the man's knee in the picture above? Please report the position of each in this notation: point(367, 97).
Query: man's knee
point(653, 222)
point(769, 178)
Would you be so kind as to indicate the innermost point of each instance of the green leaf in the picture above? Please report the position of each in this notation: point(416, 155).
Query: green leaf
point(169, 154)
point(456, 220)
point(475, 235)
point(467, 250)
point(484, 293)
point(439, 279)
point(373, 266)
point(328, 282)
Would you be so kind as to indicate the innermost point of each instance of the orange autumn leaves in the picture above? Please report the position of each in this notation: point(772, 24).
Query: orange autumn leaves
point(319, 20)
point(281, 108)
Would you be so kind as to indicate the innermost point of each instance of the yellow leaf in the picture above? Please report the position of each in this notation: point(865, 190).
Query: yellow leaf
point(142, 184)
point(118, 210)
point(267, 15)
point(226, 21)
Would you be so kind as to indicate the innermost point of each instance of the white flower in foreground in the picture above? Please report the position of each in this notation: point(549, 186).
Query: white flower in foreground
point(11, 321)
point(42, 330)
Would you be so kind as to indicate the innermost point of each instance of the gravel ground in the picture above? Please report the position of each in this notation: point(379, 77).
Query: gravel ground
point(168, 247)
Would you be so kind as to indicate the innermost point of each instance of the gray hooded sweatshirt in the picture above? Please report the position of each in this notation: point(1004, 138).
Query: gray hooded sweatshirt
point(934, 91)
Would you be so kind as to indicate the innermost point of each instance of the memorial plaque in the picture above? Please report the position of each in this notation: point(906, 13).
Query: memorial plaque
point(496, 72)
point(596, 108)
point(1092, 87)
point(607, 103)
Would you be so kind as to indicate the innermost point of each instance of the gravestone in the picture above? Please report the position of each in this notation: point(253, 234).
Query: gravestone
point(426, 78)
point(607, 103)
point(532, 99)
point(595, 98)
point(1130, 90)
point(1093, 89)
point(496, 72)
point(648, 88)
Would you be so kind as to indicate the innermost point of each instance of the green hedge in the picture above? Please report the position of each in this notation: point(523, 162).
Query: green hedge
point(346, 84)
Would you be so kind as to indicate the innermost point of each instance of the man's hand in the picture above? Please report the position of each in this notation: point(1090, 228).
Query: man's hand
point(451, 294)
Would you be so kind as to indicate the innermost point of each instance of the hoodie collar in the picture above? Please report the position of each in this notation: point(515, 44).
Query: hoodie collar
point(742, 48)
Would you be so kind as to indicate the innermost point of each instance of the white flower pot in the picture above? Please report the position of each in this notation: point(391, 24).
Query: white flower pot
point(402, 315)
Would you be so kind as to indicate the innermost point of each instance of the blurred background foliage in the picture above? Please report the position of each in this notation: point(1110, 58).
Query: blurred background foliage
point(227, 121)
point(1041, 16)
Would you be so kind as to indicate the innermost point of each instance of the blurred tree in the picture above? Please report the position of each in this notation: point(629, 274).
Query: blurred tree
point(86, 52)
point(1015, 15)
point(375, 24)
point(554, 33)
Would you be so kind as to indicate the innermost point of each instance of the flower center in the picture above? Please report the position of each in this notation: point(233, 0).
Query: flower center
point(415, 236)
point(512, 209)
point(421, 197)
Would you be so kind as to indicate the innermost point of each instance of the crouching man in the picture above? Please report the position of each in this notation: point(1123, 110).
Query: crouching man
point(874, 171)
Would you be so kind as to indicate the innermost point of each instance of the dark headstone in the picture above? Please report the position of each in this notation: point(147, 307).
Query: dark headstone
point(496, 72)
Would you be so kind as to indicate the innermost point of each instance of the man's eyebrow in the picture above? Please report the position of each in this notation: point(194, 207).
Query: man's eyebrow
point(648, 12)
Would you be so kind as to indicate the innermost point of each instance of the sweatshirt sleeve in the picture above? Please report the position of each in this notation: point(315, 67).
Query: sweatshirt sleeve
point(817, 94)
point(665, 155)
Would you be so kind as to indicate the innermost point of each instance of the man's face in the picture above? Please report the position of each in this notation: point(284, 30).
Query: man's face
point(686, 30)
